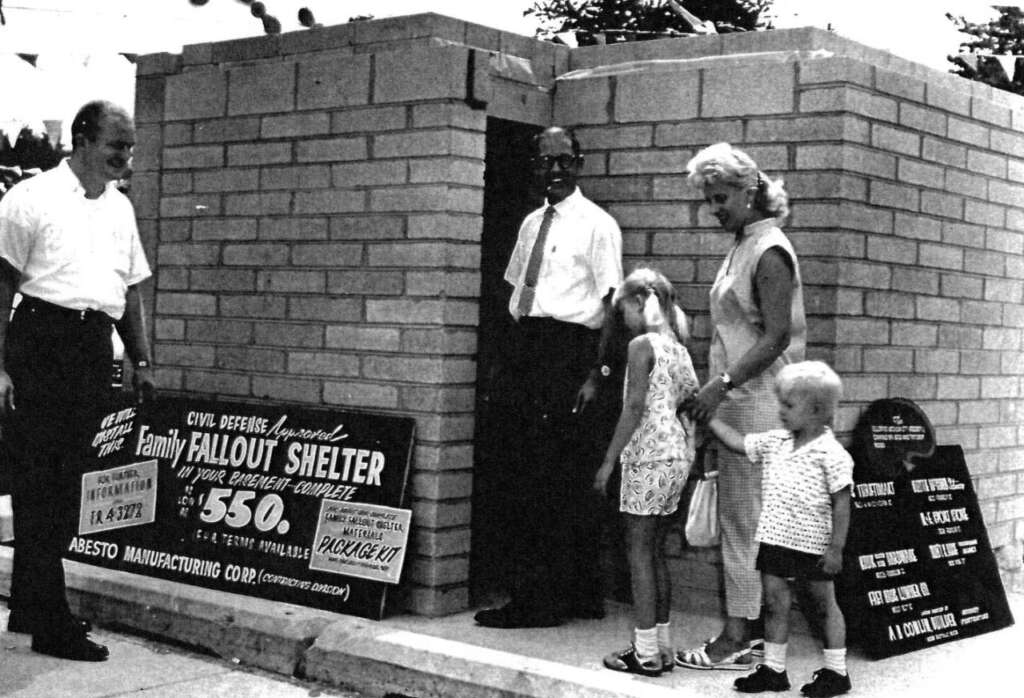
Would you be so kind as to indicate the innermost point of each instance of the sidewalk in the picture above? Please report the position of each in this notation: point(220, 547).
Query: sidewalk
point(450, 657)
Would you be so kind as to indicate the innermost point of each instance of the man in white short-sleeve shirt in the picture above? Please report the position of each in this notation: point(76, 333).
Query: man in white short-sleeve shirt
point(566, 264)
point(69, 245)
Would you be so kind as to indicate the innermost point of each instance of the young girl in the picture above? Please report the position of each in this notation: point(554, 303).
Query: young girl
point(656, 449)
point(804, 520)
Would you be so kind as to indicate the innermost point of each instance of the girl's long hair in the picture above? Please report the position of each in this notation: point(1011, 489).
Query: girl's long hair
point(652, 285)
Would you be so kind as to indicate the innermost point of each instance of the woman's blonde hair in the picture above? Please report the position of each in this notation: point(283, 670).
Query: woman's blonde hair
point(647, 282)
point(724, 164)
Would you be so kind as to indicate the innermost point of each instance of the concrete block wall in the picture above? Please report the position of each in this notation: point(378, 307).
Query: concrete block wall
point(907, 190)
point(312, 203)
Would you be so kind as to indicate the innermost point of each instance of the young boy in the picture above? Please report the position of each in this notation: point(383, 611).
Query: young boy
point(804, 520)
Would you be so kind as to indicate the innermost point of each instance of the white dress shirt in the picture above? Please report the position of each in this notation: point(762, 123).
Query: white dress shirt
point(72, 251)
point(582, 262)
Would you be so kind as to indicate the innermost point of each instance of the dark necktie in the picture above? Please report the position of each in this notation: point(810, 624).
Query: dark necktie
point(529, 289)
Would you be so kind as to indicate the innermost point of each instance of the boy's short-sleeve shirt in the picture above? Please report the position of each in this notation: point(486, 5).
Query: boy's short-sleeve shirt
point(796, 508)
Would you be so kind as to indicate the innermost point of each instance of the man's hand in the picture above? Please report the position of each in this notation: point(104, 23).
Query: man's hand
point(144, 385)
point(6, 394)
point(585, 396)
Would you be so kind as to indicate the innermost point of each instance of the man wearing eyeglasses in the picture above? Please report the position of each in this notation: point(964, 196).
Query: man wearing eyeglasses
point(564, 268)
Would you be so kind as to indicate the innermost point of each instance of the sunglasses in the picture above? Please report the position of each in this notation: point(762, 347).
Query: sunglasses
point(546, 162)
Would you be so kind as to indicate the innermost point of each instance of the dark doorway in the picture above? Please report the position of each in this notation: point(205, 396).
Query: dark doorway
point(508, 197)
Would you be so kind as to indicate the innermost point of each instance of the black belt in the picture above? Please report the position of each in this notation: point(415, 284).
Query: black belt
point(37, 306)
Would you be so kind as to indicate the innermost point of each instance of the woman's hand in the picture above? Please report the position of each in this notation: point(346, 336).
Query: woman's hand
point(702, 406)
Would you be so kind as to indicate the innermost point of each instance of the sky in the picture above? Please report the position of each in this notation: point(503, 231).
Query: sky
point(78, 42)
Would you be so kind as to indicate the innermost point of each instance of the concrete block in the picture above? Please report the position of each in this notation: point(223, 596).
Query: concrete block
point(196, 54)
point(326, 254)
point(368, 173)
point(900, 85)
point(222, 280)
point(157, 64)
point(657, 96)
point(195, 94)
point(325, 309)
point(420, 74)
point(296, 125)
point(326, 364)
point(186, 304)
point(244, 154)
point(193, 157)
point(990, 112)
point(318, 39)
point(953, 100)
point(259, 255)
point(216, 383)
point(256, 306)
point(359, 337)
point(219, 331)
point(331, 149)
point(960, 182)
point(234, 129)
point(427, 312)
point(925, 119)
point(633, 162)
point(758, 88)
point(290, 335)
point(261, 88)
point(190, 206)
point(371, 227)
point(897, 140)
point(583, 101)
point(295, 177)
point(291, 281)
point(359, 395)
point(250, 359)
point(889, 195)
point(967, 131)
point(836, 69)
point(176, 134)
point(329, 201)
point(448, 114)
point(172, 182)
point(290, 389)
point(224, 229)
point(359, 281)
point(984, 214)
point(265, 204)
point(1005, 241)
point(962, 286)
point(937, 361)
point(333, 80)
point(369, 119)
point(940, 204)
point(220, 180)
point(149, 100)
point(943, 151)
point(247, 49)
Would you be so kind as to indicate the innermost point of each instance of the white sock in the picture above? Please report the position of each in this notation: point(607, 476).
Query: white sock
point(836, 660)
point(775, 655)
point(664, 631)
point(646, 643)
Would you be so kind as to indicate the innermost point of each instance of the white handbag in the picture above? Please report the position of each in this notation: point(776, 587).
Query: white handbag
point(702, 516)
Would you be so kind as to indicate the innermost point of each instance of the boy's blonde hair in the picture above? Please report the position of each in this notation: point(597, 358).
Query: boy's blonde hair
point(816, 380)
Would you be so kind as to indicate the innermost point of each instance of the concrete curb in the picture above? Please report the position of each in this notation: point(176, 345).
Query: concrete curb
point(368, 656)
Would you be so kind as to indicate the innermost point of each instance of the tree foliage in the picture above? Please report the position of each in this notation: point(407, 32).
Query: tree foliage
point(608, 21)
point(1000, 36)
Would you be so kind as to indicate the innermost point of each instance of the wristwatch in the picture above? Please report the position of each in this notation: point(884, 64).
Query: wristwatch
point(606, 370)
point(142, 363)
point(726, 381)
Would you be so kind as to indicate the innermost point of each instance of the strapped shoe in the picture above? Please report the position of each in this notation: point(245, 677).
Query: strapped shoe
point(763, 679)
point(826, 682)
point(697, 658)
point(627, 660)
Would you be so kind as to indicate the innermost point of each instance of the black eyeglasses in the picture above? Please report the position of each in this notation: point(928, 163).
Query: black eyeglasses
point(546, 162)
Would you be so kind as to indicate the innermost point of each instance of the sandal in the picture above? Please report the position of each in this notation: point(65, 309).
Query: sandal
point(697, 658)
point(627, 660)
point(668, 662)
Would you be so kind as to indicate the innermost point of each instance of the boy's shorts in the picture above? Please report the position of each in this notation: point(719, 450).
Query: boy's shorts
point(652, 489)
point(789, 564)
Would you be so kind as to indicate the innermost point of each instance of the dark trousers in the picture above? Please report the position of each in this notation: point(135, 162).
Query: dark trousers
point(551, 455)
point(60, 364)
